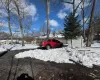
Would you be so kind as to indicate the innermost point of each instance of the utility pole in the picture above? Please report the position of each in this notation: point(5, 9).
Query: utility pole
point(47, 16)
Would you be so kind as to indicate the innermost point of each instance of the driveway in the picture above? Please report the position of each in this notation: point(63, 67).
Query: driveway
point(11, 68)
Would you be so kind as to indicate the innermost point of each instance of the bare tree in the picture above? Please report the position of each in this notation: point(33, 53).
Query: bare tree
point(97, 24)
point(1, 26)
point(43, 29)
point(83, 16)
point(83, 13)
point(21, 11)
point(27, 23)
point(47, 15)
point(75, 7)
point(90, 28)
point(17, 8)
point(7, 8)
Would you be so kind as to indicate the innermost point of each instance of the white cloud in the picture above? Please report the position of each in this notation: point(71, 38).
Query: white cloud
point(69, 7)
point(54, 23)
point(5, 24)
point(31, 10)
point(3, 13)
point(35, 29)
point(52, 28)
point(85, 20)
point(26, 9)
point(35, 18)
point(86, 3)
point(61, 14)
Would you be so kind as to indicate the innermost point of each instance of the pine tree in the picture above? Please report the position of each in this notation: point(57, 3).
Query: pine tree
point(72, 27)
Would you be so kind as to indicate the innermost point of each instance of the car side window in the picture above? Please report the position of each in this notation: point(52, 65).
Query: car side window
point(49, 40)
point(54, 40)
point(58, 41)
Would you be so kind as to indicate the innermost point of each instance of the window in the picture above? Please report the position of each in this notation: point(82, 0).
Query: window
point(54, 40)
point(48, 40)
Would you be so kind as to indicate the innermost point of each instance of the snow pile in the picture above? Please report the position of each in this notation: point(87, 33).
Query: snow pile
point(17, 47)
point(2, 49)
point(85, 56)
point(57, 55)
point(5, 46)
point(95, 45)
point(27, 46)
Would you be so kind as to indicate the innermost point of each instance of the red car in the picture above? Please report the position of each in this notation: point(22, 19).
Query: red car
point(51, 43)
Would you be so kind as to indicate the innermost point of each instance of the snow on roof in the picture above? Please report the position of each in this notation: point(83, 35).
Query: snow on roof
point(51, 35)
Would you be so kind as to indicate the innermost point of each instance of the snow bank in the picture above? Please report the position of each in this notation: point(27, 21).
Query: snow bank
point(27, 46)
point(95, 45)
point(17, 47)
point(2, 49)
point(57, 55)
point(86, 56)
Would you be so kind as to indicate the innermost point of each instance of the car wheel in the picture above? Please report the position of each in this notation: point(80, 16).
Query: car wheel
point(48, 47)
point(61, 45)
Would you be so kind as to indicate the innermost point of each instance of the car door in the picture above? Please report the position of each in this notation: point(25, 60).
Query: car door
point(58, 43)
point(54, 43)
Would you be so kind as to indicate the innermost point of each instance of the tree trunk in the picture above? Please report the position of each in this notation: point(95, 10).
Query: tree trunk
point(11, 36)
point(9, 26)
point(73, 7)
point(71, 43)
point(90, 30)
point(47, 15)
point(83, 23)
point(20, 22)
point(21, 30)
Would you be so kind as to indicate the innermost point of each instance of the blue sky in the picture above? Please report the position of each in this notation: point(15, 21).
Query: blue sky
point(58, 10)
point(37, 9)
point(41, 15)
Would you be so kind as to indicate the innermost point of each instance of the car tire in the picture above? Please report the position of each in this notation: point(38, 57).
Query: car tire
point(48, 47)
point(62, 45)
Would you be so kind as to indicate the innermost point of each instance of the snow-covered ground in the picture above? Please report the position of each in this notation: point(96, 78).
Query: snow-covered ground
point(86, 56)
point(2, 49)
point(95, 44)
point(17, 47)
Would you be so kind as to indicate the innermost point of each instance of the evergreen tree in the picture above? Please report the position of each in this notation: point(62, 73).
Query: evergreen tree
point(72, 27)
